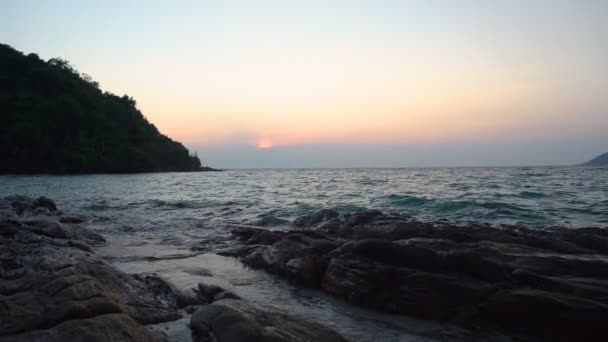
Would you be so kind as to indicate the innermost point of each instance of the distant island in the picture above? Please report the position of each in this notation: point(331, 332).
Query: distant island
point(600, 160)
point(56, 120)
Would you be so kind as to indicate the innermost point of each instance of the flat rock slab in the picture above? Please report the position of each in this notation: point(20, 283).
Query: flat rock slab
point(551, 284)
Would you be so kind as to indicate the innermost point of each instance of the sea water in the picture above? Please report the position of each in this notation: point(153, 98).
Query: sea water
point(156, 223)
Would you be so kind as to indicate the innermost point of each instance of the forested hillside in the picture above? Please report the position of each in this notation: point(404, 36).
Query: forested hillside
point(55, 120)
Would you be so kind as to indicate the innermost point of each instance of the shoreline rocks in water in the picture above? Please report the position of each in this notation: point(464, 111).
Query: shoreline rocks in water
point(54, 288)
point(227, 318)
point(546, 284)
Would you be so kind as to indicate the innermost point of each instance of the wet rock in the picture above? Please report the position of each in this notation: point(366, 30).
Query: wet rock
point(232, 320)
point(271, 221)
point(315, 218)
point(257, 235)
point(404, 290)
point(198, 271)
point(166, 292)
point(476, 275)
point(23, 205)
point(51, 227)
point(301, 255)
point(43, 202)
point(221, 323)
point(102, 328)
point(211, 293)
point(54, 288)
point(72, 218)
point(45, 226)
point(549, 315)
point(8, 227)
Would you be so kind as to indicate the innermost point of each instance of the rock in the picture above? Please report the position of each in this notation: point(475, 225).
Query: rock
point(300, 255)
point(110, 327)
point(258, 235)
point(404, 290)
point(72, 219)
point(51, 227)
point(23, 205)
point(8, 226)
point(233, 320)
point(199, 271)
point(271, 221)
point(315, 218)
point(529, 282)
point(221, 323)
point(549, 315)
point(211, 293)
point(53, 288)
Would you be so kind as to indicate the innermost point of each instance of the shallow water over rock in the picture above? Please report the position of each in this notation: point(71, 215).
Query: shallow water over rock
point(186, 271)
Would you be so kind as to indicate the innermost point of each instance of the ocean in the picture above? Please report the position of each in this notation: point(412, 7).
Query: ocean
point(534, 196)
point(157, 222)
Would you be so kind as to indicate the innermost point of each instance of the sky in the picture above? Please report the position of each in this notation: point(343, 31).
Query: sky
point(344, 83)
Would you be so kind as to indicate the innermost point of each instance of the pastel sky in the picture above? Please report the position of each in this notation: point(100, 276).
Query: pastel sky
point(344, 83)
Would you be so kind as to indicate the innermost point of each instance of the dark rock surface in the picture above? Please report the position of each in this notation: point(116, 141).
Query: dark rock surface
point(54, 288)
point(208, 294)
point(551, 285)
point(229, 319)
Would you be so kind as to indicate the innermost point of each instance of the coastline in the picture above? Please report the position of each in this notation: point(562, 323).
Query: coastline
point(201, 169)
point(527, 284)
point(53, 287)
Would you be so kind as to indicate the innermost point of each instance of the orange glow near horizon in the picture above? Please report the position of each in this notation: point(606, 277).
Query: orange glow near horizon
point(338, 72)
point(264, 144)
point(302, 104)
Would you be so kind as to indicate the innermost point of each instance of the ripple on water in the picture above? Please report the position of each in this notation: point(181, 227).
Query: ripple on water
point(406, 201)
point(532, 194)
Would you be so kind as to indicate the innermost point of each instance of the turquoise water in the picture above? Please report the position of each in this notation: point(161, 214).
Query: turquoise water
point(539, 196)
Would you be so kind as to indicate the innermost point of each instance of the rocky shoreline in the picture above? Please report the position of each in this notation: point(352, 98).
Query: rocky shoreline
point(547, 285)
point(53, 287)
point(530, 284)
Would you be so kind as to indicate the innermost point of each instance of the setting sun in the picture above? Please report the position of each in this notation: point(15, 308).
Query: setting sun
point(264, 144)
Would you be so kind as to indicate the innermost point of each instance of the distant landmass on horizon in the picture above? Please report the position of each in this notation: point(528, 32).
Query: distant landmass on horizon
point(600, 160)
point(56, 120)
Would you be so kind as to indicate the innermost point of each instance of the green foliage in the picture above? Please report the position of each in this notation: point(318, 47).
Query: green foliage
point(55, 120)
